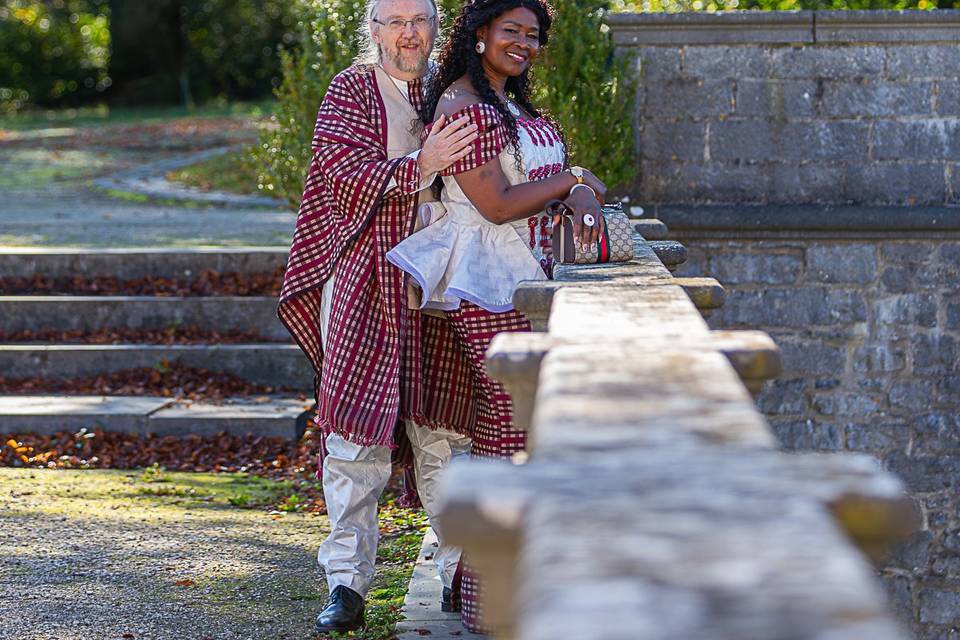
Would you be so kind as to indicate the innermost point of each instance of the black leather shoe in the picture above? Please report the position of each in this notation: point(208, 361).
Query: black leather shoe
point(450, 601)
point(344, 611)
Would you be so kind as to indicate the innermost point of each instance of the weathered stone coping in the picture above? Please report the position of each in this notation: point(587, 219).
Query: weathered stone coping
point(652, 503)
point(808, 220)
point(784, 27)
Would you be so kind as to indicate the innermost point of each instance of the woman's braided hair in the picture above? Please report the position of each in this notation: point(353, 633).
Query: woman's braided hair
point(459, 57)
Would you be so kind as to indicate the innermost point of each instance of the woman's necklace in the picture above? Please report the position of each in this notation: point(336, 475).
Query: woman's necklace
point(513, 108)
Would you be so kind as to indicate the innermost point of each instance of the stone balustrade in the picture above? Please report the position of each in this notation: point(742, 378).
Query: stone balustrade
point(652, 501)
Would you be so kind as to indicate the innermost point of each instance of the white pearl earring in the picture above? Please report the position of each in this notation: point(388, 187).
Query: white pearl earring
point(481, 47)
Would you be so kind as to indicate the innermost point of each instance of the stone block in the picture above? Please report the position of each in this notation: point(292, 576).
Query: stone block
point(948, 390)
point(925, 474)
point(896, 184)
point(742, 267)
point(743, 141)
point(132, 264)
point(842, 263)
point(276, 365)
point(726, 62)
point(923, 61)
point(776, 99)
point(89, 313)
point(783, 397)
point(937, 433)
point(670, 182)
point(918, 309)
point(840, 140)
point(47, 414)
point(911, 395)
point(878, 358)
point(933, 354)
point(928, 139)
point(869, 97)
point(665, 140)
point(953, 315)
point(948, 97)
point(899, 595)
point(807, 435)
point(827, 62)
point(802, 308)
point(897, 279)
point(939, 607)
point(877, 438)
point(808, 183)
point(908, 254)
point(846, 405)
point(690, 97)
point(276, 417)
point(950, 255)
point(658, 63)
point(946, 566)
point(809, 358)
point(913, 554)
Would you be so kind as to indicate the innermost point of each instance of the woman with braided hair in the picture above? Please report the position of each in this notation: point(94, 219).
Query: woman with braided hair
point(491, 232)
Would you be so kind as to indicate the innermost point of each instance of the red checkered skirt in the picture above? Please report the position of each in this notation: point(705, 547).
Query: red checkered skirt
point(494, 435)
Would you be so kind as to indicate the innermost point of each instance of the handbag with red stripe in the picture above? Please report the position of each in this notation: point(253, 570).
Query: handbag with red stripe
point(615, 243)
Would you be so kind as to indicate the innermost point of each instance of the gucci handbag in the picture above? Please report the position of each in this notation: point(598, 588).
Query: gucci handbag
point(614, 245)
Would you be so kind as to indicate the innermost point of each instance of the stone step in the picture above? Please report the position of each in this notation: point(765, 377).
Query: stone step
point(273, 416)
point(277, 365)
point(131, 264)
point(87, 313)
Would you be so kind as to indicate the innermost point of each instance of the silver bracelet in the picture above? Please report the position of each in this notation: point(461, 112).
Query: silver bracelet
point(585, 186)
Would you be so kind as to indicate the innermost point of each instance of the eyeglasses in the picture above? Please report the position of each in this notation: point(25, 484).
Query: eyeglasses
point(420, 23)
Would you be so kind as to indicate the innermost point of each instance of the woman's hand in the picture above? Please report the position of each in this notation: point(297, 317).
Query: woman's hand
point(445, 144)
point(584, 204)
point(596, 184)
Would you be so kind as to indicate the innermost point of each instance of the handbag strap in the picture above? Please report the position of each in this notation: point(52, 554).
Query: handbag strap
point(558, 207)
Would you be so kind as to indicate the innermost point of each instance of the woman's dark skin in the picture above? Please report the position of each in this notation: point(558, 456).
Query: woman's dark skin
point(511, 42)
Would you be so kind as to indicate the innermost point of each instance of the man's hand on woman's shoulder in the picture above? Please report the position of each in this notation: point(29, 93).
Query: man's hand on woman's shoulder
point(446, 143)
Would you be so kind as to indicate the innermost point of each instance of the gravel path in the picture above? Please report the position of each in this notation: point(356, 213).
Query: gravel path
point(98, 555)
point(47, 198)
point(77, 216)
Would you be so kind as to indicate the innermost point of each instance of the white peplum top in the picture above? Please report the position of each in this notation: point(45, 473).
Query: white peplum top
point(462, 256)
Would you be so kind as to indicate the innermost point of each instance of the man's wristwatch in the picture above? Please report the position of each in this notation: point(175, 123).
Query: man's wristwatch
point(577, 173)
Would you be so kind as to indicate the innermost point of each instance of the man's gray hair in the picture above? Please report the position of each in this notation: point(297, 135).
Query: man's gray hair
point(368, 52)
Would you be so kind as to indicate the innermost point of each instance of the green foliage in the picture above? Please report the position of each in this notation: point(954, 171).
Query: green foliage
point(232, 45)
point(53, 52)
point(589, 90)
point(581, 83)
point(327, 46)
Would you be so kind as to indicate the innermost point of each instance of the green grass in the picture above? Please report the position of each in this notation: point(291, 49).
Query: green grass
point(104, 115)
point(229, 173)
point(35, 168)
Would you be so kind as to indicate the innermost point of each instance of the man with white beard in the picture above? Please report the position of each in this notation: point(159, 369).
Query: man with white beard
point(383, 370)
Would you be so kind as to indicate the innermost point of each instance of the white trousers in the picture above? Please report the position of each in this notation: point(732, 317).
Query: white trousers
point(354, 476)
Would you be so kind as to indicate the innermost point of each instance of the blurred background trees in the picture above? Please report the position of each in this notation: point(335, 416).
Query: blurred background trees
point(67, 53)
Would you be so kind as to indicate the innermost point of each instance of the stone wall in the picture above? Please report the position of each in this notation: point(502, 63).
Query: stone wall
point(870, 335)
point(808, 107)
point(834, 140)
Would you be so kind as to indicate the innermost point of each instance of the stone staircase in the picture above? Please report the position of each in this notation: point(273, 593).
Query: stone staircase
point(270, 361)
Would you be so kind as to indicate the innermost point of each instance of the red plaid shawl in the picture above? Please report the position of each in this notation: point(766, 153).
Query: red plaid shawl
point(371, 374)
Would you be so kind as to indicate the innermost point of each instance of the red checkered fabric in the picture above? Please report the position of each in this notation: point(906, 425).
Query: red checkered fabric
point(348, 220)
point(494, 435)
point(491, 137)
